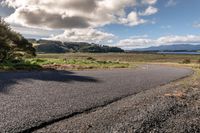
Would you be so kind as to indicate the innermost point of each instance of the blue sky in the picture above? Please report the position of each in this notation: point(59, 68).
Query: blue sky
point(176, 19)
point(124, 23)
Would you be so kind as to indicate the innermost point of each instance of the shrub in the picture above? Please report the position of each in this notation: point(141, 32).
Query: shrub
point(91, 58)
point(13, 45)
point(186, 61)
point(198, 61)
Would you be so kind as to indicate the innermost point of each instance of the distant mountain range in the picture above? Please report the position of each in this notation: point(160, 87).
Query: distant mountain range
point(48, 46)
point(170, 48)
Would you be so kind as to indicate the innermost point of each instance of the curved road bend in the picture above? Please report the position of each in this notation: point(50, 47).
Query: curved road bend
point(29, 99)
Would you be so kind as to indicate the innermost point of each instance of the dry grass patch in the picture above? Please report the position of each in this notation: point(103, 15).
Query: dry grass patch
point(176, 94)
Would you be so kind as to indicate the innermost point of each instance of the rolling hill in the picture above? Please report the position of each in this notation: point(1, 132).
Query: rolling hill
point(47, 46)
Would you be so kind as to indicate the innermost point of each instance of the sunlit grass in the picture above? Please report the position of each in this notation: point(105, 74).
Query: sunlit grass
point(88, 63)
point(126, 57)
point(101, 61)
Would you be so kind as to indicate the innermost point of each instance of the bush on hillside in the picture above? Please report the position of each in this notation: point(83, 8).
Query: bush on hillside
point(13, 45)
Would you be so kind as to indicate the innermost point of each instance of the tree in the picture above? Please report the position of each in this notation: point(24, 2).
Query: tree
point(12, 44)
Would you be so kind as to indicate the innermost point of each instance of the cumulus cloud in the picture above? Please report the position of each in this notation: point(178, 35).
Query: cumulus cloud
point(84, 35)
point(68, 14)
point(132, 19)
point(165, 40)
point(38, 18)
point(59, 5)
point(149, 11)
point(80, 19)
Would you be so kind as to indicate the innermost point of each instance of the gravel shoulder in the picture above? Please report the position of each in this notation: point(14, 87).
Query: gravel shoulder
point(172, 108)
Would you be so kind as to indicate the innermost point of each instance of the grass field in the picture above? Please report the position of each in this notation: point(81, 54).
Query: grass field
point(80, 61)
point(126, 57)
point(130, 59)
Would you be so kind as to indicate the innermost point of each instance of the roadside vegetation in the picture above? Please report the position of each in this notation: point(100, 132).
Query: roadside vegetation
point(80, 61)
point(75, 64)
point(110, 60)
point(13, 48)
point(127, 57)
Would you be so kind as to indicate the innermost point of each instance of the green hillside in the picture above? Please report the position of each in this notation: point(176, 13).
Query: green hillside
point(46, 46)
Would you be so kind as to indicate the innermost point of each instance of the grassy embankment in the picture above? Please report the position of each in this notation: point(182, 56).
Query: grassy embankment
point(79, 61)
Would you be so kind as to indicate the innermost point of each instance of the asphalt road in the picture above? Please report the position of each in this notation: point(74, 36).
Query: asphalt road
point(32, 99)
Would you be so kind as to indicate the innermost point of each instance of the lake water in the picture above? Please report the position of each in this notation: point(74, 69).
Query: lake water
point(186, 53)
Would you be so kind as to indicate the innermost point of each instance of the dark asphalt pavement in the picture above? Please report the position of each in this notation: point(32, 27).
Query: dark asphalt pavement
point(29, 99)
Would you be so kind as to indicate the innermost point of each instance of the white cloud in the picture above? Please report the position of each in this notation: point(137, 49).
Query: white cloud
point(165, 40)
point(171, 3)
point(135, 43)
point(149, 11)
point(139, 36)
point(35, 32)
point(151, 2)
point(133, 19)
point(79, 19)
point(67, 14)
point(196, 25)
point(84, 35)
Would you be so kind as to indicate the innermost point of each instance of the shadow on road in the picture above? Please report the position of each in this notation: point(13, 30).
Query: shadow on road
point(11, 78)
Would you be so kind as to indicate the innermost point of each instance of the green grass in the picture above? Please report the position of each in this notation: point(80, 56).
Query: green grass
point(88, 63)
point(97, 61)
point(19, 65)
